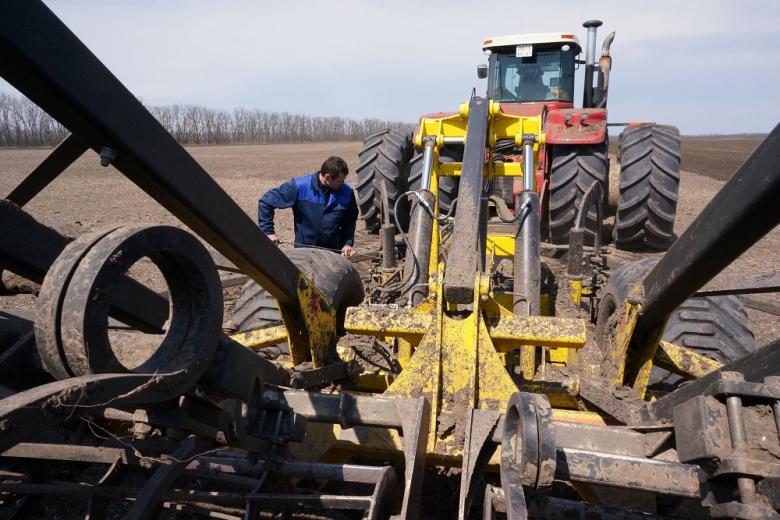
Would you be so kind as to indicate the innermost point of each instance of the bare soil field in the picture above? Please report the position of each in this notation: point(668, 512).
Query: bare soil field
point(718, 158)
point(87, 195)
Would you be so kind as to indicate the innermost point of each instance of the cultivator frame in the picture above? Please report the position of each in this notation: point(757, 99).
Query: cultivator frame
point(474, 391)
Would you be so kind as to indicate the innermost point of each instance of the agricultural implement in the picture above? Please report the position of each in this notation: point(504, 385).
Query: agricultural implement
point(543, 416)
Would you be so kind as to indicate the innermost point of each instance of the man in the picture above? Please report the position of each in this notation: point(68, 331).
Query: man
point(531, 87)
point(324, 208)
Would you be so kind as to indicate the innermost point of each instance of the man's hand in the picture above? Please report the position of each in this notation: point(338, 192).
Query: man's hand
point(273, 238)
point(347, 251)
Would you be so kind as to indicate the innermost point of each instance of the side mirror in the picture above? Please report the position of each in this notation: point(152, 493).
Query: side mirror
point(482, 71)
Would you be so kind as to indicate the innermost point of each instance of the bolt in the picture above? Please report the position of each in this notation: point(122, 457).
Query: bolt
point(747, 490)
point(107, 155)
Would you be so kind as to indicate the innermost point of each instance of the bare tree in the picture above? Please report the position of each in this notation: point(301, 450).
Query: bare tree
point(24, 124)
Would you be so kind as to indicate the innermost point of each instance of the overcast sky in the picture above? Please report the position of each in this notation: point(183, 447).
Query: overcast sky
point(707, 66)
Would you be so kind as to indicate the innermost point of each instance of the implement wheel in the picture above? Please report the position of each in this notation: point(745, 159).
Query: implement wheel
point(383, 160)
point(331, 272)
point(649, 183)
point(714, 326)
point(573, 169)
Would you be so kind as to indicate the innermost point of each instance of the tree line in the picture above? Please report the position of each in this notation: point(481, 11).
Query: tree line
point(24, 124)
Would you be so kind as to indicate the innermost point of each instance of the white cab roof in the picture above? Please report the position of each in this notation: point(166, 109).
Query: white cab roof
point(531, 39)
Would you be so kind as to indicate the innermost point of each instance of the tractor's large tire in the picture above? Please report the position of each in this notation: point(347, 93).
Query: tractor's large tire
point(573, 169)
point(649, 184)
point(448, 186)
point(332, 273)
point(383, 160)
point(715, 326)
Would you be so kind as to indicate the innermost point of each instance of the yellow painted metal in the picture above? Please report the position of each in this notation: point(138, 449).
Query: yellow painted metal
point(576, 289)
point(501, 245)
point(317, 341)
point(450, 126)
point(684, 362)
point(558, 355)
point(405, 349)
point(450, 169)
point(639, 360)
point(508, 169)
point(409, 324)
point(507, 332)
point(377, 381)
point(511, 332)
point(261, 338)
point(619, 349)
point(453, 355)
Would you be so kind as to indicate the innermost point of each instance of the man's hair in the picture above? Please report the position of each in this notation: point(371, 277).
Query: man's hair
point(334, 166)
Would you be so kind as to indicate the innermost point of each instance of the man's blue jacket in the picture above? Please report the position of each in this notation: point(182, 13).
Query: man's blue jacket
point(320, 220)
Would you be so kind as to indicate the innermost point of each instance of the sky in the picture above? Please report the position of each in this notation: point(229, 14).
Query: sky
point(707, 66)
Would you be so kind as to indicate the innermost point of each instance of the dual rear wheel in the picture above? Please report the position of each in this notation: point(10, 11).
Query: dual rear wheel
point(649, 157)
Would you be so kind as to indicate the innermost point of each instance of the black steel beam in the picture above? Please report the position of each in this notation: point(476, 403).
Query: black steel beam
point(741, 283)
point(742, 212)
point(464, 257)
point(70, 149)
point(28, 248)
point(45, 61)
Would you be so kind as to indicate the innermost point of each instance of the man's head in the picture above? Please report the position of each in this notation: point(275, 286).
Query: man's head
point(333, 172)
point(532, 73)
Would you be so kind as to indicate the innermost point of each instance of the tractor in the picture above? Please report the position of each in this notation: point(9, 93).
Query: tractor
point(534, 75)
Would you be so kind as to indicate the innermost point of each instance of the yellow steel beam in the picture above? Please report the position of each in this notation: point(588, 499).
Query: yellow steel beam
point(512, 332)
point(501, 245)
point(507, 332)
point(408, 324)
point(683, 361)
point(261, 338)
point(507, 169)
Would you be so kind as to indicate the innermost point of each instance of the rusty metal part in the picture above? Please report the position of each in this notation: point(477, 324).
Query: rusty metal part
point(147, 501)
point(736, 444)
point(381, 502)
point(411, 416)
point(463, 260)
point(754, 367)
point(527, 449)
point(643, 474)
point(554, 508)
point(70, 149)
point(29, 248)
point(76, 295)
point(477, 452)
point(314, 377)
point(621, 406)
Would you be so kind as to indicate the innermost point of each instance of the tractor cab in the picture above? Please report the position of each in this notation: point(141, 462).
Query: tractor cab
point(531, 67)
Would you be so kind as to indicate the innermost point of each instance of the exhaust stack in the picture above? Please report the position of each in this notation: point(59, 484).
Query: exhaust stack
point(590, 59)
